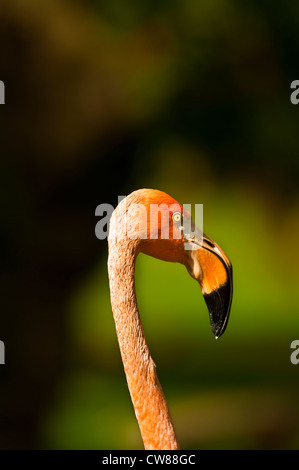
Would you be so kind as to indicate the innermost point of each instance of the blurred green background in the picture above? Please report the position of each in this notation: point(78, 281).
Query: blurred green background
point(192, 98)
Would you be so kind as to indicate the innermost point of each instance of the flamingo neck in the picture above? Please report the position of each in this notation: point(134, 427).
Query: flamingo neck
point(146, 392)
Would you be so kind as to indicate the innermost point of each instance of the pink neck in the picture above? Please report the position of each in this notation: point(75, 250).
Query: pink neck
point(146, 392)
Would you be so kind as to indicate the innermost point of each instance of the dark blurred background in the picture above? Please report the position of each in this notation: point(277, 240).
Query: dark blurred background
point(105, 97)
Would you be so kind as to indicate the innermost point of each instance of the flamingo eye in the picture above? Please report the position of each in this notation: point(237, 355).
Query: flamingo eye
point(176, 216)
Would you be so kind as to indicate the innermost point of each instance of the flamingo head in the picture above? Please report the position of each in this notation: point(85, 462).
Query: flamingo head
point(169, 233)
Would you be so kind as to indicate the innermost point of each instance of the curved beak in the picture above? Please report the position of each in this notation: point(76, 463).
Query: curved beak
point(209, 265)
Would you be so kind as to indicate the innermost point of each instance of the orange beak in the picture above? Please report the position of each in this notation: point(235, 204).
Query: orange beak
point(209, 265)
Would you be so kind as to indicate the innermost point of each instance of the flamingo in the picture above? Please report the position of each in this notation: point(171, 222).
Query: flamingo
point(206, 263)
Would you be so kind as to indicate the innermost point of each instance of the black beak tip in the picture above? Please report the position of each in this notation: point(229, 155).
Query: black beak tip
point(217, 329)
point(219, 304)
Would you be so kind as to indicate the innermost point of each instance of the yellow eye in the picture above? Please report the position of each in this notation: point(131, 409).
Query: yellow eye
point(176, 216)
